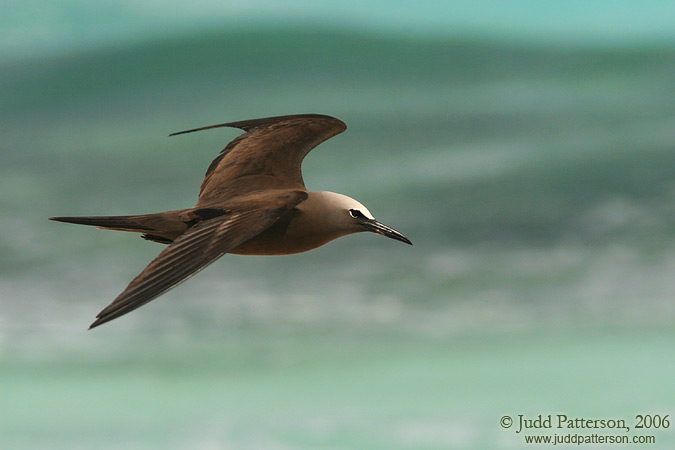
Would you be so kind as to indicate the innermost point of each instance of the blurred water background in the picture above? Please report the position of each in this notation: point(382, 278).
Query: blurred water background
point(526, 148)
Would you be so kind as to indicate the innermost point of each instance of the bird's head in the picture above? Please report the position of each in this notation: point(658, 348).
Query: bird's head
point(349, 216)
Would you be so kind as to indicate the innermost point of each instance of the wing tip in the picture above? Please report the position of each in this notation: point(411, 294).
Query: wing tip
point(103, 317)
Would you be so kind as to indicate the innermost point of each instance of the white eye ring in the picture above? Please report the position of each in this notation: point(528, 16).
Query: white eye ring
point(355, 213)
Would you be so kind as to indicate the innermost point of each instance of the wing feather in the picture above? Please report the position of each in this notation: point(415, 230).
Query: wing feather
point(268, 156)
point(191, 252)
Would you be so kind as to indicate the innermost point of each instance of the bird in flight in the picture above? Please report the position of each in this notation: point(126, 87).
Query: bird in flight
point(253, 201)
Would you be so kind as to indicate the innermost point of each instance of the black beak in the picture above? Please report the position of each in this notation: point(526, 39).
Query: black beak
point(380, 228)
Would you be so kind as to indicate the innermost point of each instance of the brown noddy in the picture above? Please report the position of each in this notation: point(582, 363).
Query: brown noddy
point(253, 201)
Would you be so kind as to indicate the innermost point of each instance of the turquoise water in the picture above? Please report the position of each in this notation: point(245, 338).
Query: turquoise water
point(536, 182)
point(334, 390)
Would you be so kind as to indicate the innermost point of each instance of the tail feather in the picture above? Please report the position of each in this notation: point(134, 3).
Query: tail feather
point(123, 223)
point(161, 227)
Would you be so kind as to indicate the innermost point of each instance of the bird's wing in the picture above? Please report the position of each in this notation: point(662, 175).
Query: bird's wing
point(198, 247)
point(267, 156)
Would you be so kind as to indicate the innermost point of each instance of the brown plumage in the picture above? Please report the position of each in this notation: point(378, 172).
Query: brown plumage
point(252, 201)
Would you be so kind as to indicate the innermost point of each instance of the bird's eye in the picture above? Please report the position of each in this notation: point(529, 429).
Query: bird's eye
point(356, 214)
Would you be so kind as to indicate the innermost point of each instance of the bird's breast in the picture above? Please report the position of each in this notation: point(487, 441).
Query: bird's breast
point(293, 233)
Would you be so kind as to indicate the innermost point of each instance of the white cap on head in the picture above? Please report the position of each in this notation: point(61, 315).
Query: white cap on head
point(340, 201)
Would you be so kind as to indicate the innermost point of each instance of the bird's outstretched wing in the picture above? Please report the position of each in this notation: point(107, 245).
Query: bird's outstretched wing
point(198, 247)
point(268, 156)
